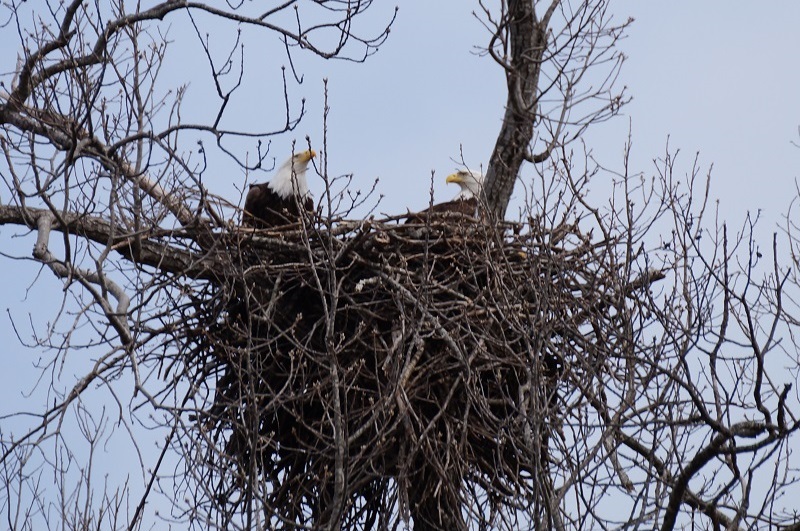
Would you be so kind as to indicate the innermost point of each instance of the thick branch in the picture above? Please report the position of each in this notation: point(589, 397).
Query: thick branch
point(717, 447)
point(82, 144)
point(161, 256)
point(118, 317)
point(528, 39)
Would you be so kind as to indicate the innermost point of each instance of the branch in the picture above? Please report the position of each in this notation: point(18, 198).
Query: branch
point(528, 40)
point(546, 59)
point(163, 257)
point(31, 76)
point(81, 144)
point(66, 270)
point(716, 447)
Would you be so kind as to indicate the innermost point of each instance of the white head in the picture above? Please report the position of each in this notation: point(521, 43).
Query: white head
point(470, 182)
point(290, 178)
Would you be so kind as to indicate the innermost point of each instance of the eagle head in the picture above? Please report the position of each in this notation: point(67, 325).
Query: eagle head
point(304, 156)
point(470, 182)
point(290, 178)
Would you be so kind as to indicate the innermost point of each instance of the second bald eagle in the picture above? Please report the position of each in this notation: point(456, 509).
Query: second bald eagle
point(464, 203)
point(281, 200)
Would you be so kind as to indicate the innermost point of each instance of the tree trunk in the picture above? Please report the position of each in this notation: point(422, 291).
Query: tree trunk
point(528, 39)
point(435, 504)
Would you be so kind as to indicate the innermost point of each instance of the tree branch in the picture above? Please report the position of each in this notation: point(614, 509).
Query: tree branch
point(160, 256)
point(118, 317)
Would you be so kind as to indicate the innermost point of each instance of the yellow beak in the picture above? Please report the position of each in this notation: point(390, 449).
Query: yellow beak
point(306, 155)
point(454, 178)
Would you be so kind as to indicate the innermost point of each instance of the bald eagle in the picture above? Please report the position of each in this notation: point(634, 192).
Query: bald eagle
point(279, 201)
point(465, 202)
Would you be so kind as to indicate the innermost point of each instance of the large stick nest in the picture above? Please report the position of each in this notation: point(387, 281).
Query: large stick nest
point(370, 369)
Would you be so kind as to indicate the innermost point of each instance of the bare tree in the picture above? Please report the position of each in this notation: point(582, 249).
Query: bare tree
point(561, 63)
point(621, 362)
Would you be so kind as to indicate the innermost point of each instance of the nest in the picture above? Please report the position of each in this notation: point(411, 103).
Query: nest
point(366, 370)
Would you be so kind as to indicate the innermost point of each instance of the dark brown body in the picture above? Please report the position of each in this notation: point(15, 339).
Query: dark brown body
point(264, 209)
point(465, 207)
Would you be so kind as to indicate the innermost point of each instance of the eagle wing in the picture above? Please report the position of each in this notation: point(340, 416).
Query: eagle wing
point(264, 209)
point(456, 207)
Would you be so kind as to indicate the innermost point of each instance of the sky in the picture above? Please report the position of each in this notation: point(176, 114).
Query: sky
point(718, 79)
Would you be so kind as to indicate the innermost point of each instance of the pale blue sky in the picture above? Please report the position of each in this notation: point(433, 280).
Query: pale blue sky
point(716, 77)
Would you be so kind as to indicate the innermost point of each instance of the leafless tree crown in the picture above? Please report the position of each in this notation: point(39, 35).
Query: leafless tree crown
point(561, 64)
